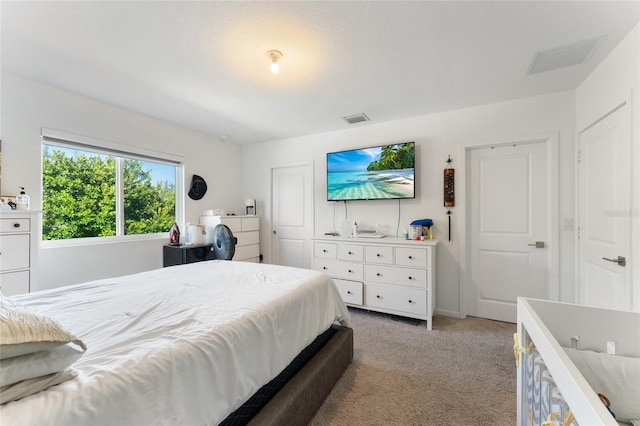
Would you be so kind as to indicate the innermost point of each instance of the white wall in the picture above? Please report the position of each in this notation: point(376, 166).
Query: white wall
point(615, 80)
point(436, 136)
point(29, 106)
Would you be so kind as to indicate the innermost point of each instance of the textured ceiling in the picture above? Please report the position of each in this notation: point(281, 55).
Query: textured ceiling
point(203, 65)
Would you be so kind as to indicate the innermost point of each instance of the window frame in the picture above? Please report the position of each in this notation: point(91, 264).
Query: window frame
point(121, 153)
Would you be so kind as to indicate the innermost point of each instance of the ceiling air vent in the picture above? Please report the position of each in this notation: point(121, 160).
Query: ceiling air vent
point(563, 56)
point(357, 118)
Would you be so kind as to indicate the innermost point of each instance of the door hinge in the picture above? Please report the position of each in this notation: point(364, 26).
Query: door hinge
point(579, 156)
point(578, 229)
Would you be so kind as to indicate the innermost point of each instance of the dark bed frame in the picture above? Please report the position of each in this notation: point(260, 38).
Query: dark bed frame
point(297, 402)
point(294, 396)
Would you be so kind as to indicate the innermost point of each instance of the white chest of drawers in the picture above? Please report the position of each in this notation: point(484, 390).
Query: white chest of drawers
point(245, 228)
point(18, 251)
point(389, 275)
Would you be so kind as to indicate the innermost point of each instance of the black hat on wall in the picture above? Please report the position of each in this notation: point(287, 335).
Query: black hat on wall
point(198, 187)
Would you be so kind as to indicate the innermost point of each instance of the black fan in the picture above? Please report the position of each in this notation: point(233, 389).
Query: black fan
point(224, 243)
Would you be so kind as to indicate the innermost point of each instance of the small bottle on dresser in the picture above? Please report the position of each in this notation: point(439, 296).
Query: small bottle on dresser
point(22, 200)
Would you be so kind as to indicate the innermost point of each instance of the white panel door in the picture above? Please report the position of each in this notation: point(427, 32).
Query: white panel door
point(508, 218)
point(292, 201)
point(604, 229)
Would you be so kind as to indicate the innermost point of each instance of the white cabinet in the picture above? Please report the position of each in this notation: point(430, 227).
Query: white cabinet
point(390, 275)
point(245, 228)
point(18, 251)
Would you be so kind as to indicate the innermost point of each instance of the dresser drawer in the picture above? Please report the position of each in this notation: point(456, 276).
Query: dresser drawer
point(12, 283)
point(350, 252)
point(379, 254)
point(396, 298)
point(340, 269)
point(247, 238)
point(14, 252)
point(394, 275)
point(250, 224)
point(232, 222)
point(350, 291)
point(325, 250)
point(415, 257)
point(247, 252)
point(15, 225)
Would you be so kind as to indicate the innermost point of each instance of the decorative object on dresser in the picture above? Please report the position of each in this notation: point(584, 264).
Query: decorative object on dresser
point(390, 275)
point(250, 207)
point(7, 202)
point(245, 228)
point(18, 251)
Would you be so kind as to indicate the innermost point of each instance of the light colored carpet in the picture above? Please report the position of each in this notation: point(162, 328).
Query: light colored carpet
point(460, 373)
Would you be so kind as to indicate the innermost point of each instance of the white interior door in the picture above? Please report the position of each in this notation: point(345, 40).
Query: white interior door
point(292, 201)
point(508, 214)
point(604, 228)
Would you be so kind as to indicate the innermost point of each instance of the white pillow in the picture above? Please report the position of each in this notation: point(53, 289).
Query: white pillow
point(616, 377)
point(37, 384)
point(24, 331)
point(24, 367)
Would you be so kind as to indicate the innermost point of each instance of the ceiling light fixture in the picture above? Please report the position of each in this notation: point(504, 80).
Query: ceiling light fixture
point(275, 55)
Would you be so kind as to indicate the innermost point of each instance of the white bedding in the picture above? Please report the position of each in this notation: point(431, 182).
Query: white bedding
point(181, 345)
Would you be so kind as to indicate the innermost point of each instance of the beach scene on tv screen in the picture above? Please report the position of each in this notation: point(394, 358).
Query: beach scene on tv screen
point(371, 173)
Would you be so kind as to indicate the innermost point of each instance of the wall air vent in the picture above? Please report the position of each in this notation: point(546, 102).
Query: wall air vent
point(357, 118)
point(563, 56)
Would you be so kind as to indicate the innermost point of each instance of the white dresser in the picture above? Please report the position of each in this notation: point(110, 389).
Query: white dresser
point(389, 275)
point(245, 228)
point(18, 251)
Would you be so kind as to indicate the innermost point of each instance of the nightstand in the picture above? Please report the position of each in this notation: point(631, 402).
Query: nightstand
point(181, 254)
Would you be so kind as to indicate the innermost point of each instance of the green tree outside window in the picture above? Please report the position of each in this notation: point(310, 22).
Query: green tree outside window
point(79, 195)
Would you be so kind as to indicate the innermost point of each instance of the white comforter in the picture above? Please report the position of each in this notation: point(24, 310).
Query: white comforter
point(184, 345)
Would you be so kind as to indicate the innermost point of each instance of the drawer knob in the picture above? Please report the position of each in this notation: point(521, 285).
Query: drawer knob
point(378, 274)
point(350, 271)
point(410, 257)
point(378, 255)
point(324, 267)
point(410, 277)
point(410, 301)
point(16, 225)
point(349, 292)
point(324, 250)
point(350, 252)
point(378, 296)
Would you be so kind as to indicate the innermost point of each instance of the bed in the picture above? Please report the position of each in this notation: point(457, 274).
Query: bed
point(190, 344)
point(568, 355)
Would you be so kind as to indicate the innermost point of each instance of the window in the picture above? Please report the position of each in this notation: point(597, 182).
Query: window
point(97, 191)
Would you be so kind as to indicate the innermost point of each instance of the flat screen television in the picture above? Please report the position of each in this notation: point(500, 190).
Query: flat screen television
point(377, 173)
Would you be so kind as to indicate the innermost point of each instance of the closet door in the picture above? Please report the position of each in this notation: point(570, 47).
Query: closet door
point(509, 229)
point(604, 227)
point(292, 228)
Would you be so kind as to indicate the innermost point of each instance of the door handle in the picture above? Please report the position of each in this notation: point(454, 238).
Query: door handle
point(621, 260)
point(538, 244)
